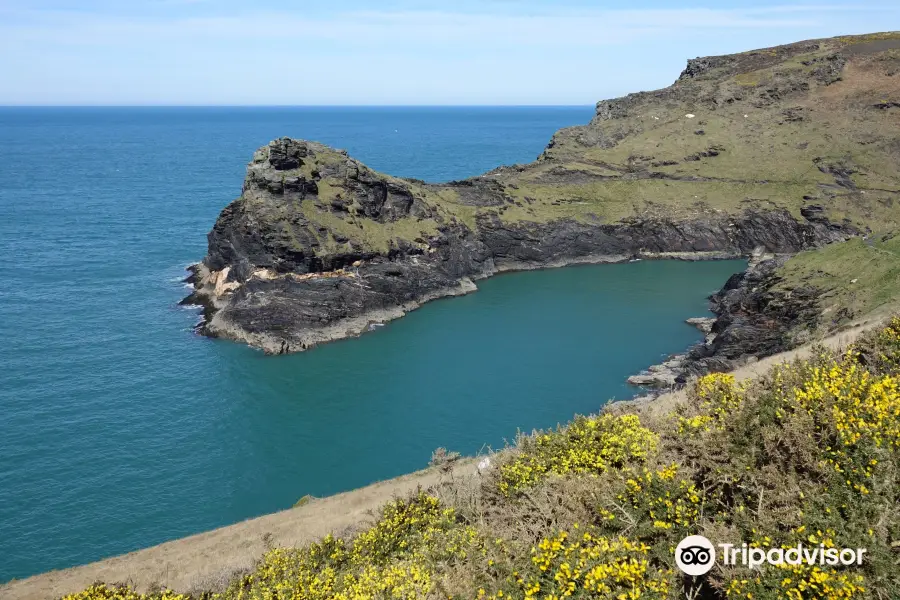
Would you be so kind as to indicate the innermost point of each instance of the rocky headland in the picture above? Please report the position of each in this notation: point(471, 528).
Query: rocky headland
point(774, 151)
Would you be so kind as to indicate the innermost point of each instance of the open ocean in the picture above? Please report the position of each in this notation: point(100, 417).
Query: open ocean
point(120, 428)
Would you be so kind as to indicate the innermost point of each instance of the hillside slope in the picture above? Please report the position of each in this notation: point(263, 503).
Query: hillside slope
point(803, 452)
point(787, 148)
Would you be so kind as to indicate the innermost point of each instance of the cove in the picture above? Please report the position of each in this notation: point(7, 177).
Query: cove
point(527, 350)
point(251, 434)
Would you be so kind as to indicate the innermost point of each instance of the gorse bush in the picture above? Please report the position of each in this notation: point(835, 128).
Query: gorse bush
point(394, 558)
point(588, 565)
point(661, 500)
point(716, 396)
point(102, 591)
point(856, 415)
point(806, 454)
point(589, 445)
point(798, 582)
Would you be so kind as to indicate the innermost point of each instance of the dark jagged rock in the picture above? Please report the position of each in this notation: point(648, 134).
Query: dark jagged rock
point(753, 320)
point(534, 244)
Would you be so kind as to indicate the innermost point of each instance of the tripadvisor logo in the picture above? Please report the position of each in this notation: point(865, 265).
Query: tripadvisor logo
point(696, 555)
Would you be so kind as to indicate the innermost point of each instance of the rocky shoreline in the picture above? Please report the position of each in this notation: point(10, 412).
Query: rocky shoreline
point(706, 356)
point(213, 325)
point(753, 319)
point(212, 301)
point(257, 290)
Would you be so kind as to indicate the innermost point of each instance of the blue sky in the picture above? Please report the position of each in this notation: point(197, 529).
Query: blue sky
point(189, 52)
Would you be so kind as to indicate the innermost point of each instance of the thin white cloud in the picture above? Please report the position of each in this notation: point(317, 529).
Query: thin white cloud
point(579, 28)
point(459, 55)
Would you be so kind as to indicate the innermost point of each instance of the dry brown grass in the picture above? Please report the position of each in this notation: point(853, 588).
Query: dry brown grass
point(208, 560)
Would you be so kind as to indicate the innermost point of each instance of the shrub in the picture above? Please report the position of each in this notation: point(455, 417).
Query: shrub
point(393, 558)
point(587, 565)
point(443, 459)
point(589, 445)
point(100, 591)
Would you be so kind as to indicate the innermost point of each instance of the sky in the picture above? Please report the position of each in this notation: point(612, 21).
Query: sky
point(391, 52)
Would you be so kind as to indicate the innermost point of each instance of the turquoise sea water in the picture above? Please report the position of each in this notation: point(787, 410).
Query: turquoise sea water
point(120, 428)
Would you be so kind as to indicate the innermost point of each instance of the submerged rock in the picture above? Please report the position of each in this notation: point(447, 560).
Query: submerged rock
point(664, 375)
point(704, 324)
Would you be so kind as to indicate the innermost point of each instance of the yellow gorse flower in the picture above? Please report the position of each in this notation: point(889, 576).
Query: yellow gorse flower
point(102, 591)
point(669, 502)
point(856, 412)
point(587, 445)
point(586, 564)
point(394, 558)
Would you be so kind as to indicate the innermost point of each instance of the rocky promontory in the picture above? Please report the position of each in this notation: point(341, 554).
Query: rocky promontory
point(758, 150)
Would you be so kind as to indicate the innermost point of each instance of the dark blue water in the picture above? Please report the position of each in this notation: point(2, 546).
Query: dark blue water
point(120, 429)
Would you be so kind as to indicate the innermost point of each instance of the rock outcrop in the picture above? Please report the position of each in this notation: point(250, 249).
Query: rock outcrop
point(319, 246)
point(754, 319)
point(274, 279)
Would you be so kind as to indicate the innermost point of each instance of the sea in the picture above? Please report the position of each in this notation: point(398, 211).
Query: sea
point(121, 428)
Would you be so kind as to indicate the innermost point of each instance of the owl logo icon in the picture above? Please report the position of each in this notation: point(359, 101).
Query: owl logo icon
point(695, 555)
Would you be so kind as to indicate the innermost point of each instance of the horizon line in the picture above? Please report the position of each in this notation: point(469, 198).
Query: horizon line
point(296, 105)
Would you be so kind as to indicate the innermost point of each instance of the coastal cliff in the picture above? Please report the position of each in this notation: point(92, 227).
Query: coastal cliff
point(782, 150)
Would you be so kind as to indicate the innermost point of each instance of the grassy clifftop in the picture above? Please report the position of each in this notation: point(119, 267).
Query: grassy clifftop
point(806, 127)
point(790, 126)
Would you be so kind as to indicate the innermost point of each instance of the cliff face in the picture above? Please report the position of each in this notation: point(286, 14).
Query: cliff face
point(785, 149)
point(754, 319)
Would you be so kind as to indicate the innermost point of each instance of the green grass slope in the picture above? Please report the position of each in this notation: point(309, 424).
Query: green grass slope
point(807, 123)
point(811, 124)
point(854, 278)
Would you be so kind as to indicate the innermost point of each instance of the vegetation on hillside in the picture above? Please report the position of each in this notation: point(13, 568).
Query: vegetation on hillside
point(787, 128)
point(808, 453)
point(853, 278)
point(782, 127)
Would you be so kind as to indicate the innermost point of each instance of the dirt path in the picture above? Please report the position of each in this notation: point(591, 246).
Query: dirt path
point(666, 402)
point(207, 560)
point(210, 559)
